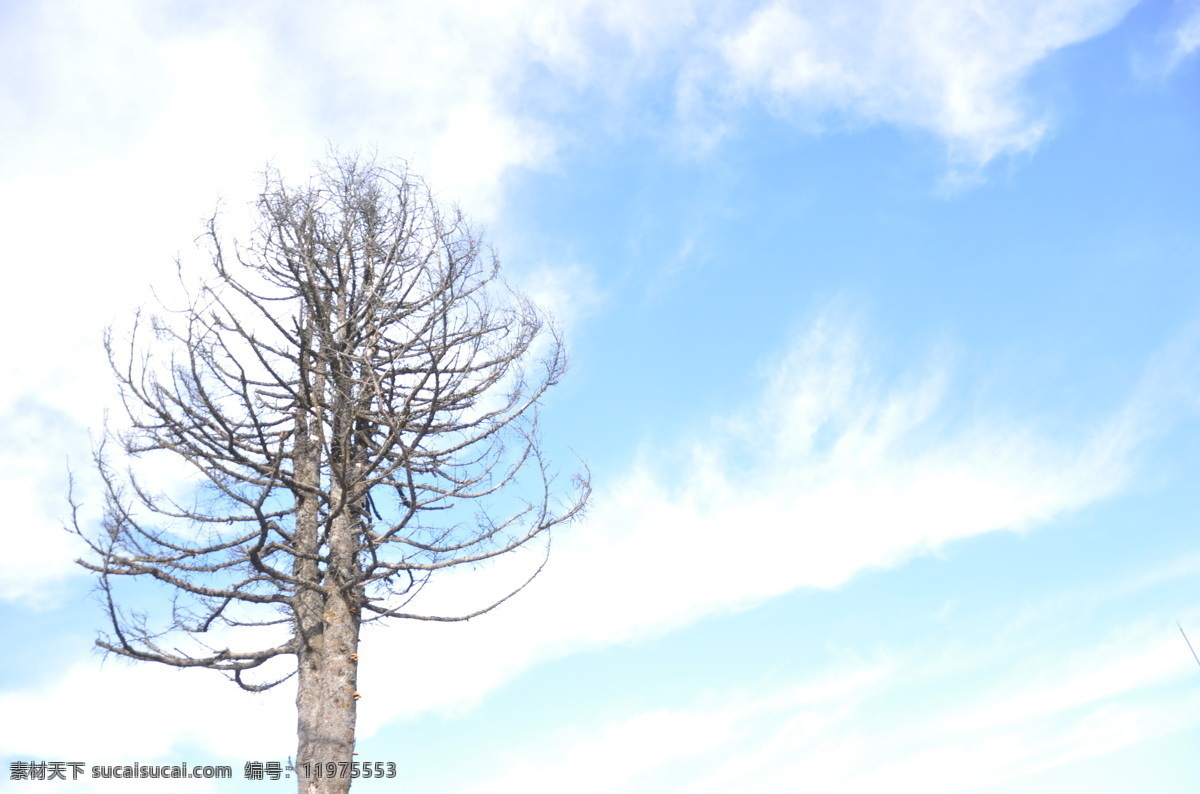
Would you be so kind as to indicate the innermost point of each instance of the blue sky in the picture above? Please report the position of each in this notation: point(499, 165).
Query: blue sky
point(885, 335)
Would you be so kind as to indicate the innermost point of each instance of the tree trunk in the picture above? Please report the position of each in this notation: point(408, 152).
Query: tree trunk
point(326, 698)
point(327, 616)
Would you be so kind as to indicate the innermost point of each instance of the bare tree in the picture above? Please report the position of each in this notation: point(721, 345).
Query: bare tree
point(356, 392)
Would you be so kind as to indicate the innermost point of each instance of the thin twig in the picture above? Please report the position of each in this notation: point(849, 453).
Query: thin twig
point(1189, 643)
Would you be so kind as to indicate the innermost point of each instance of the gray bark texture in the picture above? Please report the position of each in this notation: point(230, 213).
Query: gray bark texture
point(355, 392)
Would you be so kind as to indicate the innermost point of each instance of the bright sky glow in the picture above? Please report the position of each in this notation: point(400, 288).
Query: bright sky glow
point(884, 319)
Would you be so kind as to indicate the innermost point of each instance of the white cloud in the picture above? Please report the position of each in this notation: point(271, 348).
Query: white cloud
point(128, 122)
point(433, 84)
point(1043, 713)
point(34, 486)
point(127, 125)
point(469, 91)
point(954, 69)
point(612, 757)
point(1187, 36)
point(839, 732)
point(118, 712)
point(569, 293)
point(846, 729)
point(828, 473)
point(1175, 45)
point(141, 718)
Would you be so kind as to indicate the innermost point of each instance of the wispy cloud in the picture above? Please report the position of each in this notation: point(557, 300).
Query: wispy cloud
point(1176, 44)
point(567, 292)
point(1187, 37)
point(121, 713)
point(882, 723)
point(471, 92)
point(621, 755)
point(150, 726)
point(127, 123)
point(956, 70)
point(831, 471)
point(130, 121)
